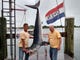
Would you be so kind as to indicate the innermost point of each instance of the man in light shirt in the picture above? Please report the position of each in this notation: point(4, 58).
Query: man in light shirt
point(54, 38)
point(23, 42)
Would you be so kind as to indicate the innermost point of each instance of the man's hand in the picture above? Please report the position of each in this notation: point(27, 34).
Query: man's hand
point(31, 36)
point(46, 44)
point(31, 51)
point(25, 50)
point(58, 48)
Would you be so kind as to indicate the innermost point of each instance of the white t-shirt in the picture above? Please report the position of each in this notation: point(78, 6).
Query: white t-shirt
point(24, 35)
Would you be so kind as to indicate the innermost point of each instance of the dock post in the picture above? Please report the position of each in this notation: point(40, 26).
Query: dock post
point(69, 39)
point(3, 41)
point(37, 55)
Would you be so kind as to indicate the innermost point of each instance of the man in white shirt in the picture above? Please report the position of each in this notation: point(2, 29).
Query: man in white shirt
point(23, 43)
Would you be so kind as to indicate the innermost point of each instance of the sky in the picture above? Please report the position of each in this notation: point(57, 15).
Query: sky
point(71, 10)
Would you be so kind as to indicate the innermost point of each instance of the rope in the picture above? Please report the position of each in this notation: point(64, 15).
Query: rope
point(20, 6)
point(24, 16)
point(45, 47)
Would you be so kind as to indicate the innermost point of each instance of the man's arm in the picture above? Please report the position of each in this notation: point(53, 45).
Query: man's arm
point(48, 38)
point(22, 37)
point(59, 38)
point(59, 43)
point(31, 36)
point(23, 43)
point(22, 40)
point(23, 46)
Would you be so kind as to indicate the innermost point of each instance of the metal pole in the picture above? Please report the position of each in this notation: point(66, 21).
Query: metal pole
point(10, 13)
point(1, 37)
point(58, 14)
point(38, 15)
point(64, 8)
point(45, 52)
point(2, 9)
point(14, 31)
point(37, 55)
point(25, 15)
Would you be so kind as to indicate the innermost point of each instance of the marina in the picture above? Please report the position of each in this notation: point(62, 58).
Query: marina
point(39, 17)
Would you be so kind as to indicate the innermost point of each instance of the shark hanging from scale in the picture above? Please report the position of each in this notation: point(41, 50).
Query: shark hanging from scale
point(37, 40)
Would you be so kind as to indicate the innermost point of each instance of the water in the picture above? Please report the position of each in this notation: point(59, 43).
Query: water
point(77, 43)
point(42, 49)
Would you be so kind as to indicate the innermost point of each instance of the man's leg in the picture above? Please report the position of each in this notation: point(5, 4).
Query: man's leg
point(50, 53)
point(54, 53)
point(26, 56)
point(21, 53)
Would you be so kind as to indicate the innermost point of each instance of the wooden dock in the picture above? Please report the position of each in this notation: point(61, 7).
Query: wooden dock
point(41, 55)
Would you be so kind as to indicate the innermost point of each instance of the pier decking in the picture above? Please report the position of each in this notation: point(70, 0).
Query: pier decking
point(42, 56)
